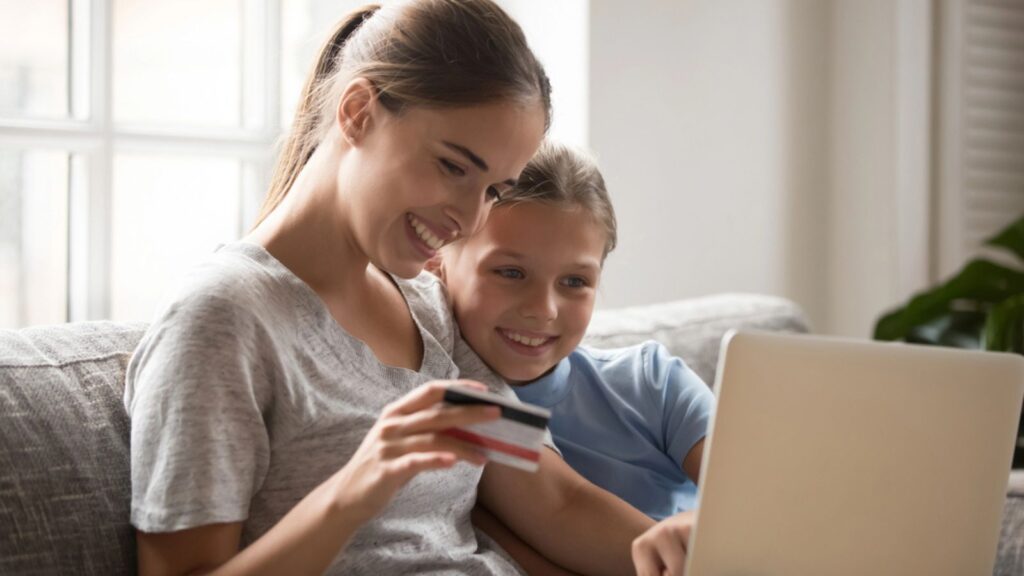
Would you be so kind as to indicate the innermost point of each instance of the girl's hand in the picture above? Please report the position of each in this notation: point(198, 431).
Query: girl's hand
point(406, 440)
point(661, 551)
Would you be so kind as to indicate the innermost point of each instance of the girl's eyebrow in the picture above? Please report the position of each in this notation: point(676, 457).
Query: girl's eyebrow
point(584, 265)
point(507, 254)
point(476, 160)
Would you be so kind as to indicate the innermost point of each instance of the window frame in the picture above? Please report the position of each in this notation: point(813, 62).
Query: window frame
point(91, 138)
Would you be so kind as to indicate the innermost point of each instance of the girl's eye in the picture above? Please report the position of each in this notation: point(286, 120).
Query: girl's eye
point(452, 168)
point(492, 194)
point(510, 273)
point(575, 282)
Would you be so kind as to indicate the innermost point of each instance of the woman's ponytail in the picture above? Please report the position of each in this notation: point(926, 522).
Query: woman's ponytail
point(305, 133)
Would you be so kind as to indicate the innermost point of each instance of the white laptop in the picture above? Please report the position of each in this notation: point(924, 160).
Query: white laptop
point(836, 457)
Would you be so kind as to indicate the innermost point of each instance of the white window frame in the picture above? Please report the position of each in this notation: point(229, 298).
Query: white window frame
point(91, 138)
point(915, 26)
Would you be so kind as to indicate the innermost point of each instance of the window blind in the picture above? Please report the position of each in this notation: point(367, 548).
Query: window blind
point(989, 192)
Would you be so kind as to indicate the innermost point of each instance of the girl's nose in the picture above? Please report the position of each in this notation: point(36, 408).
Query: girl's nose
point(540, 303)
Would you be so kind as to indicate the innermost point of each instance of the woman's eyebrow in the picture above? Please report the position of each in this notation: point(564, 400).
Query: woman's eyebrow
point(468, 154)
point(476, 160)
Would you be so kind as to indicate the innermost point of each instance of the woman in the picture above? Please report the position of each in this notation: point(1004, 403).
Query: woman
point(280, 421)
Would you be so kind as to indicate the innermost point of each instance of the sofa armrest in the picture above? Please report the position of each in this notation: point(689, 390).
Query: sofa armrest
point(65, 480)
point(693, 328)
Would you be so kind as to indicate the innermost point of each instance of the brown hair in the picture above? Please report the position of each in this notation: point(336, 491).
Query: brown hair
point(565, 177)
point(430, 53)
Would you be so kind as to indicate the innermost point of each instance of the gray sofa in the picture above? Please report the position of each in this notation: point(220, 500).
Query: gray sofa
point(64, 478)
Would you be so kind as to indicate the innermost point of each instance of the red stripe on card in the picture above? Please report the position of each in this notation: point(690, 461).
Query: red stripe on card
point(492, 444)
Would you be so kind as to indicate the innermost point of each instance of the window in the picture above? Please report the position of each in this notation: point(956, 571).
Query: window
point(981, 121)
point(124, 124)
point(137, 135)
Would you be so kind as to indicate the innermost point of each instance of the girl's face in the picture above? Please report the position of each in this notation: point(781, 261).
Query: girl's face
point(415, 181)
point(523, 288)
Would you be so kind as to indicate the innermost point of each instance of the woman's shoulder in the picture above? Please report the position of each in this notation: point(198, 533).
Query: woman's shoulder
point(236, 294)
point(237, 278)
point(428, 301)
point(238, 270)
point(428, 289)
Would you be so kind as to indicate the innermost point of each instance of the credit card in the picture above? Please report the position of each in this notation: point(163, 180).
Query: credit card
point(515, 439)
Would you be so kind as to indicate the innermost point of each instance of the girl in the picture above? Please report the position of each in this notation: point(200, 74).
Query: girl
point(279, 421)
point(630, 420)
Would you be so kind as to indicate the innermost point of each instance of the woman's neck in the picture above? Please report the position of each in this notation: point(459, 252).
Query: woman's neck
point(309, 230)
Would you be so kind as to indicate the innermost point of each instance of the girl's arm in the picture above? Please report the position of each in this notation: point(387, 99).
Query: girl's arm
point(563, 516)
point(529, 559)
point(661, 551)
point(691, 464)
point(405, 441)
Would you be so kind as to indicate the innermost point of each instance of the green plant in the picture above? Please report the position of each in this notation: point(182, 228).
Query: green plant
point(980, 307)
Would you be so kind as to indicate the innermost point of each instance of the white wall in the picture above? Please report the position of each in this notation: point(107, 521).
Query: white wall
point(863, 252)
point(558, 32)
point(752, 145)
point(709, 118)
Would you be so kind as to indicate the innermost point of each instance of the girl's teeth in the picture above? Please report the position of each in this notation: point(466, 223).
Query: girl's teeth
point(524, 340)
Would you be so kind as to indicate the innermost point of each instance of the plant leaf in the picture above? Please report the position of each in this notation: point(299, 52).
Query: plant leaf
point(1004, 328)
point(982, 283)
point(1011, 238)
point(957, 329)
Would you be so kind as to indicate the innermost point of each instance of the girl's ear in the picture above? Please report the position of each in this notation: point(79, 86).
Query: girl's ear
point(436, 267)
point(354, 107)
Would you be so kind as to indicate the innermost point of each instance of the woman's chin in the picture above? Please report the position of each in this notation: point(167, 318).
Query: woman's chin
point(405, 269)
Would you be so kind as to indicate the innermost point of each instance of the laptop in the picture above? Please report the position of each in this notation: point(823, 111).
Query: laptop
point(837, 457)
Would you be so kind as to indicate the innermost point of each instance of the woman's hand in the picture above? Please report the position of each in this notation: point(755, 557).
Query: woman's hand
point(407, 439)
point(661, 551)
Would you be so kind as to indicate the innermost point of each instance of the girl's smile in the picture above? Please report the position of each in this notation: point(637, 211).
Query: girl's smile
point(527, 343)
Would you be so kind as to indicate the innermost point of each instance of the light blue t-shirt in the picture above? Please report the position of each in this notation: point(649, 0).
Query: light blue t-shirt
point(625, 419)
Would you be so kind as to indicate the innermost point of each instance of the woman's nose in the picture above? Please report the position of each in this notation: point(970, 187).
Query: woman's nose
point(469, 211)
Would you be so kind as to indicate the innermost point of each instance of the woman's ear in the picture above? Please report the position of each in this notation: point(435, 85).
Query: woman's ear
point(354, 109)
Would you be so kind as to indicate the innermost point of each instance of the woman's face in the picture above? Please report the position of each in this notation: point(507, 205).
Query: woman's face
point(417, 180)
point(523, 289)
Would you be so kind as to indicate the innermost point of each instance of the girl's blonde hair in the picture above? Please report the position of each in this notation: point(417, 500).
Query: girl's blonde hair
point(566, 177)
point(428, 53)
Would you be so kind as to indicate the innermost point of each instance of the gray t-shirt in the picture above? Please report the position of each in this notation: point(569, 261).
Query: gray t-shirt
point(245, 394)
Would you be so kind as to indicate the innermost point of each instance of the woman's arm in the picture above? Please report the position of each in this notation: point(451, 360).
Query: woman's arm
point(305, 541)
point(405, 441)
point(563, 516)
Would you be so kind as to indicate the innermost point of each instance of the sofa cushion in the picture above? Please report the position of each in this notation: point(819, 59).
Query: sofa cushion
point(692, 329)
point(1010, 558)
point(65, 486)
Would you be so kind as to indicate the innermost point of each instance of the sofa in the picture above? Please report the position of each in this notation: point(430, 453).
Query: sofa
point(64, 457)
